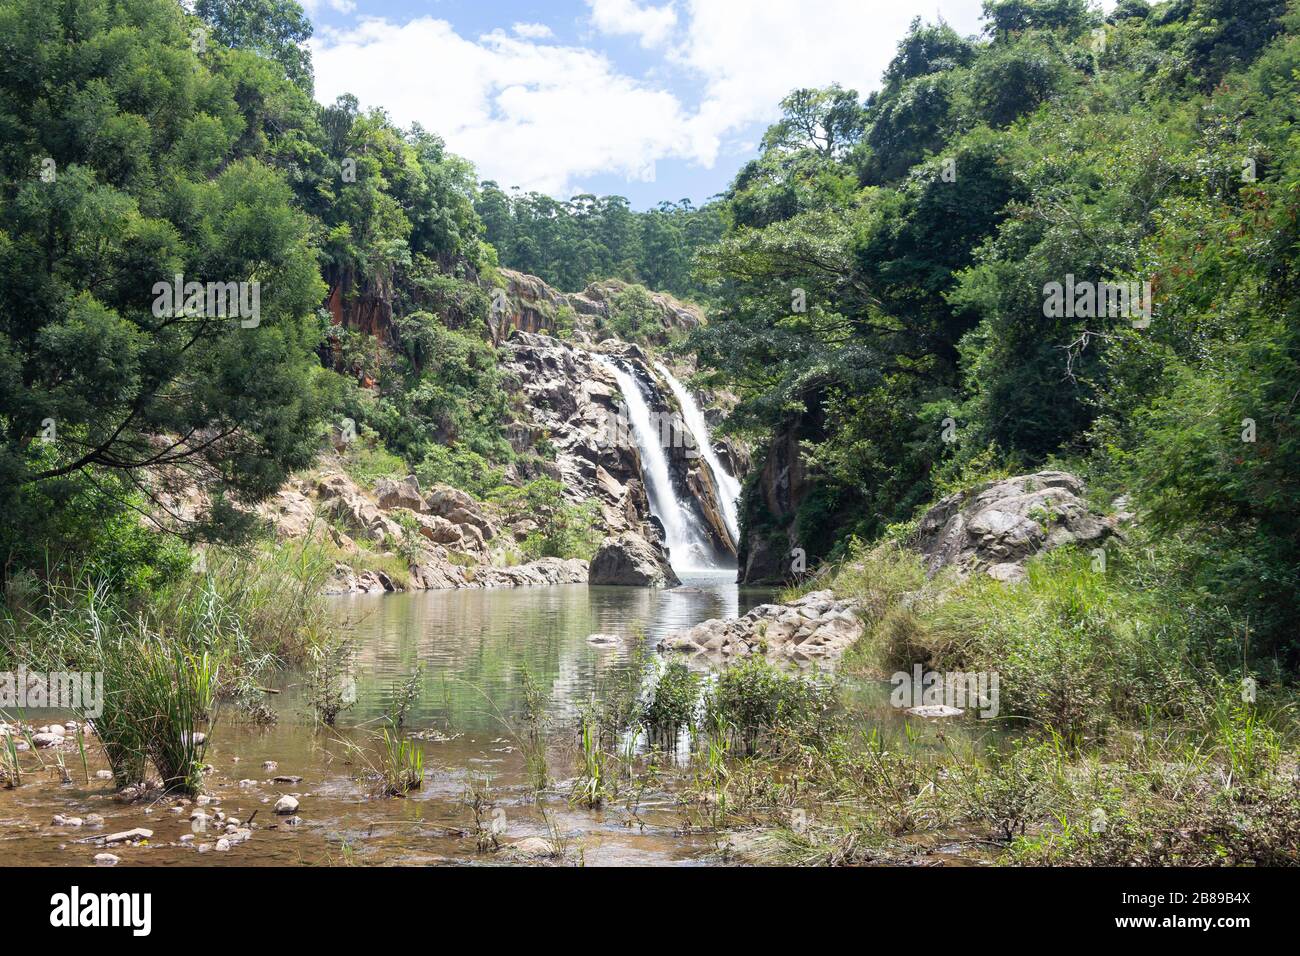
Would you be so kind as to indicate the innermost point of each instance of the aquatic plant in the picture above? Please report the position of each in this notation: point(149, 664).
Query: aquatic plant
point(402, 767)
point(752, 698)
point(673, 704)
point(590, 787)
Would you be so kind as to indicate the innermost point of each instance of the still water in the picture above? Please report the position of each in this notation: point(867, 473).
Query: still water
point(472, 649)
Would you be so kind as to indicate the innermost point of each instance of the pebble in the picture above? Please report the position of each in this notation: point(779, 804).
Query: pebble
point(107, 859)
point(269, 765)
point(94, 820)
point(222, 846)
point(103, 775)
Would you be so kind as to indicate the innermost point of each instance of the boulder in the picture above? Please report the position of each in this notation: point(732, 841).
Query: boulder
point(286, 805)
point(629, 559)
point(996, 527)
point(399, 494)
point(291, 512)
point(341, 498)
point(458, 508)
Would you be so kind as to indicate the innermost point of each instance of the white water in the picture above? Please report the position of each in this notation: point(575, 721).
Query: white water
point(728, 487)
point(689, 545)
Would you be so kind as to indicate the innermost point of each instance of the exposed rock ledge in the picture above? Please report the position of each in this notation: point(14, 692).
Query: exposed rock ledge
point(817, 628)
point(436, 575)
point(455, 544)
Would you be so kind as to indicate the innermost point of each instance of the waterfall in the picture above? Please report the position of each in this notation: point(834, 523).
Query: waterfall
point(728, 487)
point(690, 547)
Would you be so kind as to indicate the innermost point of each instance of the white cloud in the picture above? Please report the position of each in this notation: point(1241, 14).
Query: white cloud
point(539, 116)
point(751, 53)
point(532, 31)
point(627, 17)
point(545, 116)
point(314, 7)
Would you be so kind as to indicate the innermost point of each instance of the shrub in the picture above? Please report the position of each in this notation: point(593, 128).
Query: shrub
point(752, 699)
point(672, 706)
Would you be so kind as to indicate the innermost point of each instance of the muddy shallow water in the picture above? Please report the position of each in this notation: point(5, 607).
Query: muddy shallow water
point(473, 647)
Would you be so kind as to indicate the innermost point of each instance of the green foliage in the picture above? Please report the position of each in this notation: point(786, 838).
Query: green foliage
point(588, 238)
point(564, 529)
point(672, 706)
point(753, 700)
point(885, 306)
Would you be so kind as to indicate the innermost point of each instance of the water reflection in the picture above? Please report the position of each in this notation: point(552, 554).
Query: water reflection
point(475, 645)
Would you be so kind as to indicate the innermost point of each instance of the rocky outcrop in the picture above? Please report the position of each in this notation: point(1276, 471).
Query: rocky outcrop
point(629, 559)
point(995, 527)
point(573, 402)
point(771, 507)
point(816, 628)
point(399, 494)
point(524, 303)
point(453, 549)
point(595, 302)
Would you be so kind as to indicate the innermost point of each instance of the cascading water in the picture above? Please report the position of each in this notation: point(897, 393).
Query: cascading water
point(689, 546)
point(728, 487)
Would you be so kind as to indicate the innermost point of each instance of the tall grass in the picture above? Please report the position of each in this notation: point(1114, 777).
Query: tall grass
point(166, 658)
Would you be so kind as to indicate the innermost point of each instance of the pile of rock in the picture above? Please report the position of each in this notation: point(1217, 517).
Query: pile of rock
point(815, 628)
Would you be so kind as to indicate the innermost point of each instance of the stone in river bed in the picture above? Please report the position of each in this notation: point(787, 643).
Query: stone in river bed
point(935, 710)
point(286, 805)
point(103, 775)
point(603, 640)
point(106, 859)
point(139, 833)
point(287, 778)
point(44, 740)
point(530, 847)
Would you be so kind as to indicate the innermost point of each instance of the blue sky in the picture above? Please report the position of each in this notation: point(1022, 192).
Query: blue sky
point(650, 99)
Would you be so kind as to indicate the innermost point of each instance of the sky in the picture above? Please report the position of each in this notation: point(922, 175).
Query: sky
point(649, 99)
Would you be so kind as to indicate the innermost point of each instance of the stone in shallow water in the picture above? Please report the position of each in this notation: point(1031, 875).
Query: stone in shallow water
point(139, 833)
point(286, 805)
point(106, 859)
point(603, 640)
point(935, 710)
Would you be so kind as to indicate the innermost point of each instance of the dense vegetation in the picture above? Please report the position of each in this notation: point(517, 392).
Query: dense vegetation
point(882, 282)
point(877, 278)
point(589, 238)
